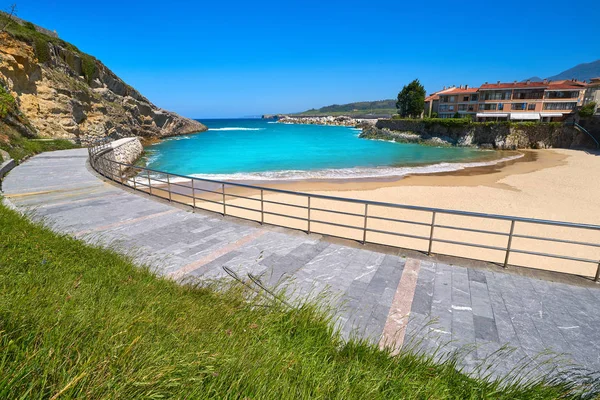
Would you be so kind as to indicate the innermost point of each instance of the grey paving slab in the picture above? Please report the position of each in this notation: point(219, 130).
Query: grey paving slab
point(479, 313)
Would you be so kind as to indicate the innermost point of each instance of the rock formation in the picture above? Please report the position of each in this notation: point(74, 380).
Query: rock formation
point(60, 92)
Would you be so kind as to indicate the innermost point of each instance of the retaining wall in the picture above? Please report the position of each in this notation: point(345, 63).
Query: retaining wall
point(501, 135)
point(126, 151)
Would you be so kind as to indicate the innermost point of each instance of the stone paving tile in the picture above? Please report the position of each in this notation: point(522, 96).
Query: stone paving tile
point(479, 313)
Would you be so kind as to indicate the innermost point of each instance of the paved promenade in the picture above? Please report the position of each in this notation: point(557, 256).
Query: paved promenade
point(388, 298)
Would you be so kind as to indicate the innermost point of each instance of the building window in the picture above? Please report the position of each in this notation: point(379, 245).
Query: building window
point(443, 99)
point(559, 106)
point(466, 98)
point(518, 106)
point(452, 99)
point(528, 94)
point(450, 108)
point(496, 95)
point(556, 94)
point(531, 107)
point(443, 107)
point(474, 97)
point(487, 107)
point(500, 106)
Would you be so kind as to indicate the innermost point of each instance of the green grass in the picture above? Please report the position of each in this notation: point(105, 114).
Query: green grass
point(19, 147)
point(81, 321)
point(7, 102)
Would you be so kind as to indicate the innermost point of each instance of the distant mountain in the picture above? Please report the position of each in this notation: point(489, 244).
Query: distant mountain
point(533, 79)
point(581, 72)
point(380, 107)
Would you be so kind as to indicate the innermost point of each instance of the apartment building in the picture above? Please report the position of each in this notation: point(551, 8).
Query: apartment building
point(530, 101)
point(592, 93)
point(462, 100)
point(517, 101)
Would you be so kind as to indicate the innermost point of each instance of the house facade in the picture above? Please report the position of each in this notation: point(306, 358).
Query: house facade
point(530, 101)
point(517, 101)
point(592, 94)
point(462, 100)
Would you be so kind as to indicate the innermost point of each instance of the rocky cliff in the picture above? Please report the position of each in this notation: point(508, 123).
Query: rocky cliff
point(51, 89)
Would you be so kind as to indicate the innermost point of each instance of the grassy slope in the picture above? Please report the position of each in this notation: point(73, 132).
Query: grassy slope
point(85, 322)
point(19, 147)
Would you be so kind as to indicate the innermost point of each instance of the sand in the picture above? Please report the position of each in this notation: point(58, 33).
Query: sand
point(561, 185)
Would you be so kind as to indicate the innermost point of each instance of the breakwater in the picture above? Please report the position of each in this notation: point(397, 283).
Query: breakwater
point(341, 120)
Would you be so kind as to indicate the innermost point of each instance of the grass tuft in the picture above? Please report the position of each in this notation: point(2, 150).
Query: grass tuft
point(81, 321)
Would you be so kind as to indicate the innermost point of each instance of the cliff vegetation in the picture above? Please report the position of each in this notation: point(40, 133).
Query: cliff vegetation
point(51, 89)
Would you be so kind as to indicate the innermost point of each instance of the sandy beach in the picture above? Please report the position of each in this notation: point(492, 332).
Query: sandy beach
point(558, 184)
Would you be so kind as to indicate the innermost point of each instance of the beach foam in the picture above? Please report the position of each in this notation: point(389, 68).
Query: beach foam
point(236, 129)
point(350, 173)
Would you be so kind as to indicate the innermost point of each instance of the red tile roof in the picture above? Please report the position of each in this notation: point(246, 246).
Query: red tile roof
point(457, 90)
point(432, 97)
point(514, 85)
point(567, 84)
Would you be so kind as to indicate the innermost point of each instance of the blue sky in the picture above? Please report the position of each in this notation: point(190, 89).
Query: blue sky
point(241, 58)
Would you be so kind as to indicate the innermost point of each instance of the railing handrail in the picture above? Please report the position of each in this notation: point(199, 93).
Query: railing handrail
point(96, 152)
point(581, 128)
point(376, 203)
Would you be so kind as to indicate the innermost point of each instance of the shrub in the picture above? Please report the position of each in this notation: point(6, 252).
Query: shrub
point(88, 67)
point(7, 102)
point(587, 110)
point(42, 50)
point(29, 26)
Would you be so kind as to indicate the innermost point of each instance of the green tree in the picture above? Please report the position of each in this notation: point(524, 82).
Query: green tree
point(411, 100)
point(456, 115)
point(587, 110)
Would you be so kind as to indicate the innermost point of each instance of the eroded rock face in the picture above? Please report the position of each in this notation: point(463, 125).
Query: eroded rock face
point(60, 103)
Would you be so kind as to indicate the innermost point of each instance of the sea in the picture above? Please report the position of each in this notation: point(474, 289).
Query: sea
point(259, 150)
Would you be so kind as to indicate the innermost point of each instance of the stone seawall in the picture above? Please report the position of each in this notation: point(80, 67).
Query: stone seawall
point(125, 151)
point(501, 135)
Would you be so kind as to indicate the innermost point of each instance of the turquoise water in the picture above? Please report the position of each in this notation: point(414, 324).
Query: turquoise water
point(250, 149)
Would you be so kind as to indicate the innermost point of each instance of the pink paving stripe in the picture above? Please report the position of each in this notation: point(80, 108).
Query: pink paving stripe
point(216, 254)
point(395, 325)
point(125, 222)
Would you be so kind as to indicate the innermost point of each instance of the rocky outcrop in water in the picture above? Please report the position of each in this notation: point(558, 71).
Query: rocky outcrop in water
point(372, 132)
point(60, 92)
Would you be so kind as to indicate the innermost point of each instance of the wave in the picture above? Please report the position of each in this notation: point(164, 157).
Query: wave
point(351, 173)
point(176, 138)
point(236, 129)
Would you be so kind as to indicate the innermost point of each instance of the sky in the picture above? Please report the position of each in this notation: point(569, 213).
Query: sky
point(224, 59)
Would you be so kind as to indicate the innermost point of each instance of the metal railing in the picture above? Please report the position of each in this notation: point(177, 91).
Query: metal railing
point(192, 191)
